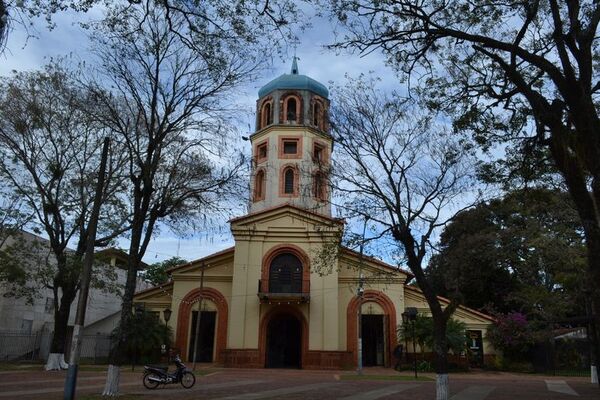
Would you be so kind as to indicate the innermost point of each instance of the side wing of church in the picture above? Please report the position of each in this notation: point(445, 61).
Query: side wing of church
point(277, 299)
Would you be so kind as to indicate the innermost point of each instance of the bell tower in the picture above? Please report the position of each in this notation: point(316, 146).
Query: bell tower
point(291, 147)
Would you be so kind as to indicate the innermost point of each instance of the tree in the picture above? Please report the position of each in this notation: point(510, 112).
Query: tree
point(167, 104)
point(49, 153)
point(156, 273)
point(242, 21)
point(524, 252)
point(456, 334)
point(146, 335)
point(512, 334)
point(521, 71)
point(408, 174)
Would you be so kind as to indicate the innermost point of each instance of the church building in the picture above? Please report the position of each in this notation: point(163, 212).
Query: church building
point(286, 295)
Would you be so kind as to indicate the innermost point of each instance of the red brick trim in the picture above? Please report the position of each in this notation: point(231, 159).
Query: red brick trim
point(317, 100)
point(325, 151)
point(262, 118)
point(352, 323)
point(242, 358)
point(256, 195)
point(332, 360)
point(324, 189)
point(184, 317)
point(297, 139)
point(264, 323)
point(282, 181)
point(258, 159)
point(274, 252)
point(299, 107)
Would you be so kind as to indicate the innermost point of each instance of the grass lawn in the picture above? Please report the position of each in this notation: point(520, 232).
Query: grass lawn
point(100, 397)
point(383, 378)
point(20, 367)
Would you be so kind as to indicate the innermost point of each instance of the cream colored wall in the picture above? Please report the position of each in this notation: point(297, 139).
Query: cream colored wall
point(216, 276)
point(243, 319)
point(254, 239)
point(348, 285)
point(472, 320)
point(273, 165)
point(236, 277)
point(376, 278)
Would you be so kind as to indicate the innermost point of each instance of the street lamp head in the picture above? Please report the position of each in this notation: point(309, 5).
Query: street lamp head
point(360, 291)
point(410, 313)
point(139, 309)
point(167, 314)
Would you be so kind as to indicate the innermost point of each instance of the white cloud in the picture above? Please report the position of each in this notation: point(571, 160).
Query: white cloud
point(315, 61)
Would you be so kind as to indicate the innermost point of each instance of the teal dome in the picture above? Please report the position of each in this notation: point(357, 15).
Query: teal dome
point(294, 80)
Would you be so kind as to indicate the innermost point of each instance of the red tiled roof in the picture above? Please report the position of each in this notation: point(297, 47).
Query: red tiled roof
point(447, 301)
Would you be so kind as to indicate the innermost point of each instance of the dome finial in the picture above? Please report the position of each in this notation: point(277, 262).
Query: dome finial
point(294, 65)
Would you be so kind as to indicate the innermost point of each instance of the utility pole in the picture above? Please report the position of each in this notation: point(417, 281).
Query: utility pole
point(197, 340)
point(86, 275)
point(360, 292)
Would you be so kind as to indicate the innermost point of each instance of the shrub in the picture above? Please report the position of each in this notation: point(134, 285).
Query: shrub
point(512, 334)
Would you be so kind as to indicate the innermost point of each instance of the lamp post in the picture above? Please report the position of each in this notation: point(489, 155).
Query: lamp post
point(410, 314)
point(359, 293)
point(167, 315)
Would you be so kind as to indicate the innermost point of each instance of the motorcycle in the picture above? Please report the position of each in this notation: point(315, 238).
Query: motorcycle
point(155, 375)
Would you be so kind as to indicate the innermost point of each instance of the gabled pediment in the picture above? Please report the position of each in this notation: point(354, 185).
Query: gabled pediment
point(286, 220)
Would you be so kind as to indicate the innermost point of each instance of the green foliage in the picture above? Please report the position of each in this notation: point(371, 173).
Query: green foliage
point(513, 335)
point(522, 252)
point(143, 336)
point(423, 333)
point(157, 273)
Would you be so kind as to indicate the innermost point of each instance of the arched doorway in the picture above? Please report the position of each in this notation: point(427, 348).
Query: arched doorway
point(379, 328)
point(284, 342)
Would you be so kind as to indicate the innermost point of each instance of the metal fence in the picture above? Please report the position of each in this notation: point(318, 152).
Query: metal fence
point(22, 346)
point(562, 357)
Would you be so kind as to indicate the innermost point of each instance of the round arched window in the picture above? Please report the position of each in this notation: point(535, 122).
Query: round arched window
point(267, 115)
point(291, 110)
point(285, 274)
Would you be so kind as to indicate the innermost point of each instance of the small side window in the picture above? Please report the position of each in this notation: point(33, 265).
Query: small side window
point(262, 152)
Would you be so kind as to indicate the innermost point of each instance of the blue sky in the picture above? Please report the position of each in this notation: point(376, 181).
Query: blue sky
point(67, 38)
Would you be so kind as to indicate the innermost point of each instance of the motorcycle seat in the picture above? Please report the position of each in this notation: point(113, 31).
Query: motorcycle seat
point(162, 367)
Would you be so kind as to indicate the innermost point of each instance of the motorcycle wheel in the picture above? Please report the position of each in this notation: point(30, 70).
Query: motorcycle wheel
point(187, 380)
point(151, 384)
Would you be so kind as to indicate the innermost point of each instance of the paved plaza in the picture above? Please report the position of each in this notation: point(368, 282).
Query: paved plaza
point(247, 384)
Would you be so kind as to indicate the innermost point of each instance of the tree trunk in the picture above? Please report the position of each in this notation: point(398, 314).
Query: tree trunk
point(111, 387)
point(594, 292)
point(440, 349)
point(56, 358)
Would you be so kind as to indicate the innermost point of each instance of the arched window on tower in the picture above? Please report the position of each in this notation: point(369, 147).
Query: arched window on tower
point(266, 114)
point(317, 114)
point(291, 109)
point(320, 186)
point(285, 274)
point(289, 181)
point(259, 186)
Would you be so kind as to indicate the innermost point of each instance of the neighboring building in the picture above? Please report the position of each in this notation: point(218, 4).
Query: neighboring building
point(277, 299)
point(16, 315)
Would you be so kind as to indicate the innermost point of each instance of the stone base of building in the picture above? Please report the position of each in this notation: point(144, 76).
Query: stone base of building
point(328, 360)
point(250, 358)
point(241, 358)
